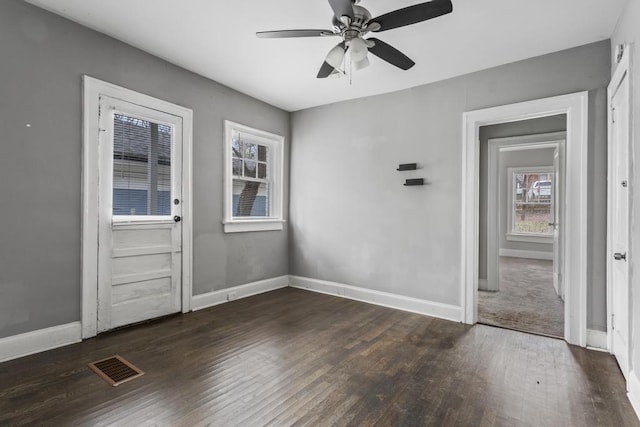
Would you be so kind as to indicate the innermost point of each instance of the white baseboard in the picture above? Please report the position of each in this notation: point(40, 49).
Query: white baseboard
point(41, 340)
point(633, 391)
point(198, 302)
point(517, 253)
point(414, 305)
point(596, 340)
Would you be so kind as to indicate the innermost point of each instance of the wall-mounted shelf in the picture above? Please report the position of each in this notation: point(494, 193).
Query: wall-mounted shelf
point(407, 167)
point(414, 181)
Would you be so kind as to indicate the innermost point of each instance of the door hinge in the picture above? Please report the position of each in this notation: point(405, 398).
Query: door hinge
point(613, 320)
point(613, 114)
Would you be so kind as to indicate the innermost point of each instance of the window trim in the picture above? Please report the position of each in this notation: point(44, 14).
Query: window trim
point(275, 220)
point(521, 236)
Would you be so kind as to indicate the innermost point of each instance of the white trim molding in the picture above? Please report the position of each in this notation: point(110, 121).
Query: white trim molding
point(40, 340)
point(597, 340)
point(517, 253)
point(575, 266)
point(242, 291)
point(633, 391)
point(93, 90)
point(385, 299)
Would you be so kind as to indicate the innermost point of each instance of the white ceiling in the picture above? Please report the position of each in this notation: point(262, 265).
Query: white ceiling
point(217, 39)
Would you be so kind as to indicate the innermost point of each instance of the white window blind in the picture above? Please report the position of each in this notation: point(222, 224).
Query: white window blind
point(142, 172)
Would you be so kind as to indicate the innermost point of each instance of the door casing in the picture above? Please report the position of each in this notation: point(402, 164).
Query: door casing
point(93, 89)
point(574, 257)
point(493, 215)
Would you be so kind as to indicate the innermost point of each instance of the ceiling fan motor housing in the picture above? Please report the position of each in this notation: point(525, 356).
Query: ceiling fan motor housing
point(360, 18)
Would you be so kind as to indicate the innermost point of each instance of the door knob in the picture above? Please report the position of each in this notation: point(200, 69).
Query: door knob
point(177, 218)
point(618, 256)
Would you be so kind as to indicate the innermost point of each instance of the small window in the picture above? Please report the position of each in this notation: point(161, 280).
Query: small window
point(253, 179)
point(531, 203)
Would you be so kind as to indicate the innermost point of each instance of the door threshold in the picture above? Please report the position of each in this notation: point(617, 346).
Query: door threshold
point(541, 334)
point(142, 323)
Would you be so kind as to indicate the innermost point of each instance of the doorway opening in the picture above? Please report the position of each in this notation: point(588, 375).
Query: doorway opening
point(136, 229)
point(520, 218)
point(574, 239)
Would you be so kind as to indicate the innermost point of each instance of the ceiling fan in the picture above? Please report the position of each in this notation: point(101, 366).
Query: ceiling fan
point(352, 22)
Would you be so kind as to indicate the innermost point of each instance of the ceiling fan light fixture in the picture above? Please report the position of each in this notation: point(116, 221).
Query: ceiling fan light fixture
point(335, 56)
point(361, 64)
point(358, 50)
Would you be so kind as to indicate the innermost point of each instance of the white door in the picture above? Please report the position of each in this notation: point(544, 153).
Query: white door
point(558, 194)
point(618, 214)
point(140, 212)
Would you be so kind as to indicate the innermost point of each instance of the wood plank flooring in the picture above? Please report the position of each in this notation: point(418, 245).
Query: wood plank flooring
point(292, 357)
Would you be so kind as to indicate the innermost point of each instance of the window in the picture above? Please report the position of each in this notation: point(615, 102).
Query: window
point(142, 152)
point(253, 179)
point(531, 204)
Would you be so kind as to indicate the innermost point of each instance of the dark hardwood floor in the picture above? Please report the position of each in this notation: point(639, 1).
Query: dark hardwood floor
point(296, 357)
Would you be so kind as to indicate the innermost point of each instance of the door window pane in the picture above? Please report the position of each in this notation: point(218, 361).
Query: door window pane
point(142, 173)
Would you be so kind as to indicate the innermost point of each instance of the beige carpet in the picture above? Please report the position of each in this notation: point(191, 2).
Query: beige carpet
point(526, 300)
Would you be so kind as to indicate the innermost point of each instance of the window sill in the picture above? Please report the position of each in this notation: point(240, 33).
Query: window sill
point(531, 238)
point(241, 226)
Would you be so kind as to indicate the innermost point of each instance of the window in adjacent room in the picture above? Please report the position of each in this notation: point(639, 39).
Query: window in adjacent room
point(253, 179)
point(531, 200)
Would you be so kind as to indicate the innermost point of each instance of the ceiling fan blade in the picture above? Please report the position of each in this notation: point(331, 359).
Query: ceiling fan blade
point(412, 14)
point(294, 33)
point(342, 8)
point(325, 70)
point(390, 54)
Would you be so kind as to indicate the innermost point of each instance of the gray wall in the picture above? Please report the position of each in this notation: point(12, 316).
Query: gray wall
point(43, 60)
point(504, 130)
point(353, 222)
point(628, 31)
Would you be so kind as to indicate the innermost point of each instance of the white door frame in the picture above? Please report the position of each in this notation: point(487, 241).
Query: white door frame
point(93, 89)
point(623, 69)
point(575, 265)
point(495, 146)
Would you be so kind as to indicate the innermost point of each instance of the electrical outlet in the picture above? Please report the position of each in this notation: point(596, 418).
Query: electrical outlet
point(231, 296)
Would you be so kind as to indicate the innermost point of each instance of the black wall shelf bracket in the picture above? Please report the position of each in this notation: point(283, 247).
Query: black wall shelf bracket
point(414, 181)
point(407, 167)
